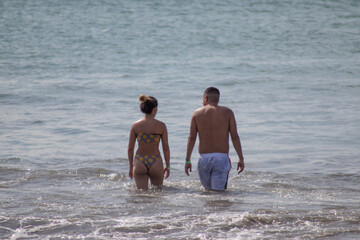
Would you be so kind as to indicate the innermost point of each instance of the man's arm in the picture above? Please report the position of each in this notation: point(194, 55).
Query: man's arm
point(190, 144)
point(236, 142)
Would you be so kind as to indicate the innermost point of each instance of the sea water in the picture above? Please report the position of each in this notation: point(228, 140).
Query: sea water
point(70, 76)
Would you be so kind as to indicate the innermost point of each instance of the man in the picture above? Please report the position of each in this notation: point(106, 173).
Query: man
point(213, 123)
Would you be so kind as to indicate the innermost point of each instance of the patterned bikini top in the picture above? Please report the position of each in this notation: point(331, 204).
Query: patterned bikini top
point(148, 138)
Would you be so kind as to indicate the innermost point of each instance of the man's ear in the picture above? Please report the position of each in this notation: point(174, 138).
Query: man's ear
point(205, 100)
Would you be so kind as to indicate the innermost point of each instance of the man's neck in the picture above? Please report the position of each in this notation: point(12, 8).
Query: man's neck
point(213, 104)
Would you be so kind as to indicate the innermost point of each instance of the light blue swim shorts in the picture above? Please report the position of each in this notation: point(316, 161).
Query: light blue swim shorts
point(213, 169)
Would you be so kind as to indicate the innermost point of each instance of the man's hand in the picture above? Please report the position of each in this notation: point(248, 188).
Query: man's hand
point(187, 168)
point(241, 166)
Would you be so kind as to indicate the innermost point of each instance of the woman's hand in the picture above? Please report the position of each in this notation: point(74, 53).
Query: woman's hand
point(131, 172)
point(166, 172)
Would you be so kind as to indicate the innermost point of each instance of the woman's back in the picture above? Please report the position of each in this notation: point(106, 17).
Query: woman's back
point(148, 133)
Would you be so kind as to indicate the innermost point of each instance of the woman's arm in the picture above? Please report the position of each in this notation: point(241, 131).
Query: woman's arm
point(131, 147)
point(166, 150)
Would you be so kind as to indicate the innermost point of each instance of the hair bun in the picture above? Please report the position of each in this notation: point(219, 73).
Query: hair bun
point(143, 98)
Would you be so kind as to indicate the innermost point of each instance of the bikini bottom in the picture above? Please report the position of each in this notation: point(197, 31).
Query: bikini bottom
point(148, 160)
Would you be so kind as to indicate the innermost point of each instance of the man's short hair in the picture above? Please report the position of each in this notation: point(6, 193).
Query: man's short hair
point(212, 93)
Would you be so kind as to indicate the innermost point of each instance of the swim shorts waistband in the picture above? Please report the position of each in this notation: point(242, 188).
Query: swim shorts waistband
point(216, 154)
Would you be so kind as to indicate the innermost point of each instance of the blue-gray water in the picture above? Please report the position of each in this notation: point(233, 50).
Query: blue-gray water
point(70, 75)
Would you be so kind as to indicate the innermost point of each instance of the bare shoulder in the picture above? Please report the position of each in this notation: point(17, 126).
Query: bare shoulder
point(227, 111)
point(199, 110)
point(197, 113)
point(137, 123)
point(160, 124)
point(134, 126)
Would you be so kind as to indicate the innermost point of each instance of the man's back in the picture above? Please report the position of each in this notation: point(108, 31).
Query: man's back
point(213, 125)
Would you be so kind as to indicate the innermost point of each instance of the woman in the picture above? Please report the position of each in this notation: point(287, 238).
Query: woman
point(148, 132)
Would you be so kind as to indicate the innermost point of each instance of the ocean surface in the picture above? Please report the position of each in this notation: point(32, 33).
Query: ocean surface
point(70, 76)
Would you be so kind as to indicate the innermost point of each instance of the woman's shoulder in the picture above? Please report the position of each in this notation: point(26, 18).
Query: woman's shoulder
point(137, 124)
point(146, 126)
point(160, 123)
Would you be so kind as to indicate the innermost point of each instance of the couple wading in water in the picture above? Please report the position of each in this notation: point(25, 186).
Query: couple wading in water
point(213, 124)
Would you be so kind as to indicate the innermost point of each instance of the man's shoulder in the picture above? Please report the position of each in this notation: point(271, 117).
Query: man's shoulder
point(225, 108)
point(199, 111)
point(221, 110)
point(205, 108)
